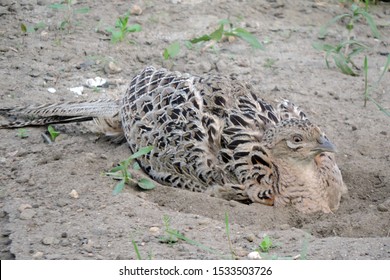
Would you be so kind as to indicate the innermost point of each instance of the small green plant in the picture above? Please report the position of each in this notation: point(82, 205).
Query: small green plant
point(265, 244)
point(356, 13)
point(22, 133)
point(227, 227)
point(343, 51)
point(172, 50)
point(174, 236)
point(341, 59)
point(222, 32)
point(67, 7)
point(368, 88)
point(136, 250)
point(269, 62)
point(121, 172)
point(53, 133)
point(171, 234)
point(121, 29)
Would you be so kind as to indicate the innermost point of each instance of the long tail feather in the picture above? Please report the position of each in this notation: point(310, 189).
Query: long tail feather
point(61, 113)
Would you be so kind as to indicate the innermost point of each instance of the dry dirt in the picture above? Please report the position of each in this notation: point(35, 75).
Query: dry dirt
point(41, 220)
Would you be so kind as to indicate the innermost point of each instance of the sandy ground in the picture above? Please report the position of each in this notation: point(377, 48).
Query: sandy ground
point(41, 220)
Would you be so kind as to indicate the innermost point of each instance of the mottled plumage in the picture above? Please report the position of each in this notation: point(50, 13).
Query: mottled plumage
point(213, 135)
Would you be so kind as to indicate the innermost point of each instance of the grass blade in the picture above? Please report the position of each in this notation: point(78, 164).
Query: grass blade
point(141, 152)
point(385, 69)
point(203, 38)
point(136, 250)
point(371, 23)
point(248, 37)
point(365, 68)
point(342, 64)
point(228, 235)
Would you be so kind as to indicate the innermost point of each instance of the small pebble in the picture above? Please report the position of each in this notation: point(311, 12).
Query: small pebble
point(23, 207)
point(254, 256)
point(49, 240)
point(250, 237)
point(154, 230)
point(284, 227)
point(112, 68)
point(37, 256)
point(62, 202)
point(382, 208)
point(27, 214)
point(74, 194)
point(51, 90)
point(136, 10)
point(77, 90)
point(240, 252)
point(203, 222)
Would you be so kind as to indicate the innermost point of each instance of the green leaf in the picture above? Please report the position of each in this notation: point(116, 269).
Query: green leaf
point(342, 64)
point(53, 133)
point(266, 244)
point(82, 10)
point(224, 21)
point(115, 175)
point(117, 168)
point(136, 166)
point(39, 25)
point(134, 28)
point(322, 47)
point(203, 38)
point(248, 37)
point(57, 6)
point(119, 187)
point(172, 50)
point(217, 34)
point(23, 28)
point(64, 24)
point(371, 24)
point(116, 36)
point(188, 44)
point(141, 152)
point(146, 184)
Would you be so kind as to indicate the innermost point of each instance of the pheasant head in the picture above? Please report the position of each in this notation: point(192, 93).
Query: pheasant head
point(303, 171)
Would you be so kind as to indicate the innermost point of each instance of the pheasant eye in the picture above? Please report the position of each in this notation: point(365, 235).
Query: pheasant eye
point(297, 138)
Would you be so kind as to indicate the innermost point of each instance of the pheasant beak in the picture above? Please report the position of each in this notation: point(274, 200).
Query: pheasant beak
point(324, 145)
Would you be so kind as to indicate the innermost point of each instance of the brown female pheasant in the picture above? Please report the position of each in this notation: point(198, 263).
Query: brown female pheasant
point(213, 135)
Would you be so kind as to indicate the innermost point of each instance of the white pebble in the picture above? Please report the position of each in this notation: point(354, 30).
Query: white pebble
point(96, 82)
point(254, 256)
point(51, 90)
point(77, 90)
point(74, 194)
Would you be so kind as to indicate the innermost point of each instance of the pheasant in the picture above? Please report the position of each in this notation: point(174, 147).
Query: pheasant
point(214, 135)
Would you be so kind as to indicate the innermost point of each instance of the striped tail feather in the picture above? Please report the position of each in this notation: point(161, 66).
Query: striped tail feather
point(103, 110)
